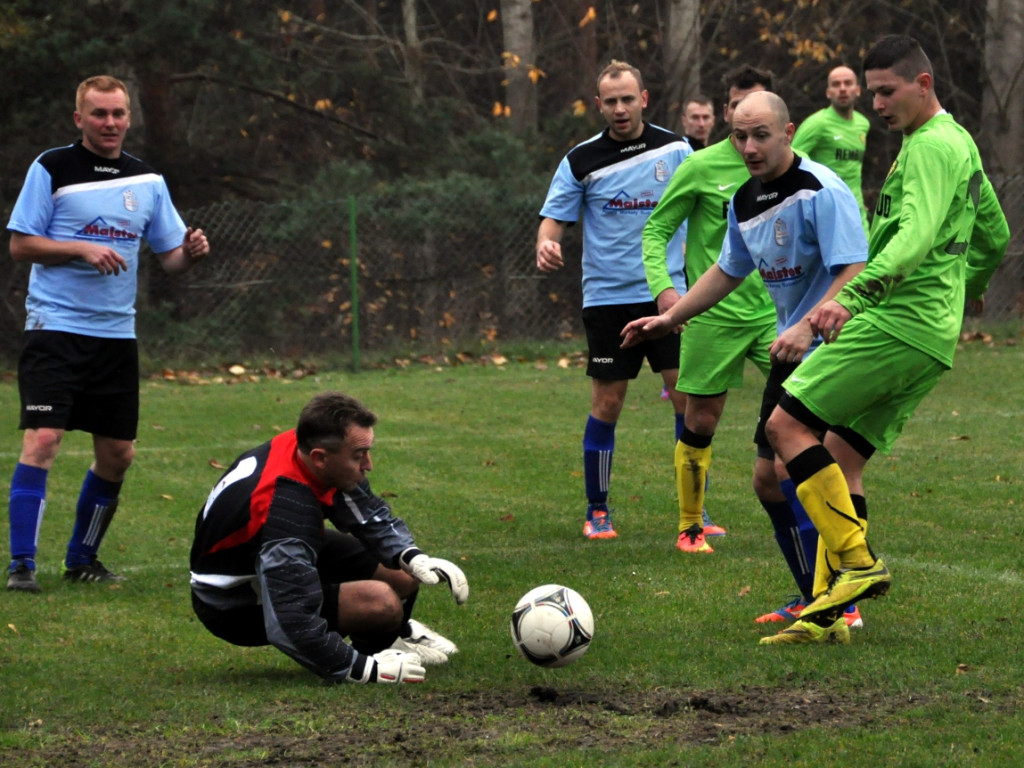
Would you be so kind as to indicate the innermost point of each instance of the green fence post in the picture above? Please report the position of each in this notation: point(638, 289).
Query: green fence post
point(354, 278)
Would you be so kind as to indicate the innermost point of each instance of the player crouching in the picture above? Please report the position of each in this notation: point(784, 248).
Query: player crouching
point(266, 572)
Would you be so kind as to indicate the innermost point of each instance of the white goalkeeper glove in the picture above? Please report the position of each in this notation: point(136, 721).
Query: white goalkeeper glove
point(431, 570)
point(389, 666)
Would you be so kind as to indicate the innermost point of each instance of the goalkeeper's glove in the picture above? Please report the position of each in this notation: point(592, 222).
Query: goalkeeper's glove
point(388, 666)
point(431, 570)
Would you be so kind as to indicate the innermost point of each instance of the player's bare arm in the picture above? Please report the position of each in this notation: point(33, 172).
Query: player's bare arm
point(793, 343)
point(549, 245)
point(713, 286)
point(195, 247)
point(643, 328)
point(37, 249)
point(667, 298)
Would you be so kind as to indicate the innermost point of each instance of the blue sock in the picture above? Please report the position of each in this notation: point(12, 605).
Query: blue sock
point(680, 426)
point(598, 447)
point(27, 502)
point(806, 534)
point(97, 503)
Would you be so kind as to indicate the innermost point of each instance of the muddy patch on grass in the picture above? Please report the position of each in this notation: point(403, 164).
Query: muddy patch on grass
point(483, 728)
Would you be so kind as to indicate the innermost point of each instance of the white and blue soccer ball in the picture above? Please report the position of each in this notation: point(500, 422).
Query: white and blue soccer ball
point(552, 626)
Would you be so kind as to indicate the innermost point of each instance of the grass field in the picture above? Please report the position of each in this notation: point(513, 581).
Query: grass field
point(483, 461)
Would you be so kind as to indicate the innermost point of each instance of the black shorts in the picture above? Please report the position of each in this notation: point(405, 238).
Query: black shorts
point(772, 392)
point(342, 558)
point(606, 359)
point(70, 381)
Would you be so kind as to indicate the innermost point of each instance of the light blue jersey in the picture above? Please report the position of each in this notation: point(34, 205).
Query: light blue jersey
point(805, 228)
point(72, 194)
point(616, 185)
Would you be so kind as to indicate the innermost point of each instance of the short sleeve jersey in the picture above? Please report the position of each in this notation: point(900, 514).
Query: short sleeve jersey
point(615, 186)
point(922, 239)
point(832, 140)
point(72, 194)
point(699, 195)
point(797, 231)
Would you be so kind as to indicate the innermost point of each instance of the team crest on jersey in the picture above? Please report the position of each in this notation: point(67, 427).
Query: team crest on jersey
point(781, 233)
point(131, 202)
point(662, 172)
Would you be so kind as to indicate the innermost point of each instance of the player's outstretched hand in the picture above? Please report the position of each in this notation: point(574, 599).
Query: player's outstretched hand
point(645, 328)
point(433, 570)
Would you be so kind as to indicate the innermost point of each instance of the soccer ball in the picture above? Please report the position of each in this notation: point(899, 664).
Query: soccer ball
point(552, 626)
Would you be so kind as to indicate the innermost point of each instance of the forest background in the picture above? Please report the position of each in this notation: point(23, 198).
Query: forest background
point(370, 171)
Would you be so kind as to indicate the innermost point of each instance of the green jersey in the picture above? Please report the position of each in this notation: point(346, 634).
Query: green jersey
point(938, 233)
point(834, 141)
point(699, 194)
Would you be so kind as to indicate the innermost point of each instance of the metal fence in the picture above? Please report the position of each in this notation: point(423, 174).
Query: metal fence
point(279, 283)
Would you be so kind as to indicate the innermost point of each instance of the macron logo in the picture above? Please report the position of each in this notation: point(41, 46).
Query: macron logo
point(98, 229)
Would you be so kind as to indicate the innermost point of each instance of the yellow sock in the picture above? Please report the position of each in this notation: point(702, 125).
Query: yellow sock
point(826, 497)
point(692, 466)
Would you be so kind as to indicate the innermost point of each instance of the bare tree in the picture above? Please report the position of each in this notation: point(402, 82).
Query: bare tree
point(413, 51)
point(520, 69)
point(682, 56)
point(1002, 123)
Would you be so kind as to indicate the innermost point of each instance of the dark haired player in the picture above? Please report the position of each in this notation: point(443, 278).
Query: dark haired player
point(937, 236)
point(266, 572)
point(717, 344)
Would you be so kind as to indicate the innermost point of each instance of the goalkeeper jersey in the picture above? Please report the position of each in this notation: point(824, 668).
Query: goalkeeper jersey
point(257, 540)
point(937, 226)
point(797, 231)
point(699, 195)
point(616, 185)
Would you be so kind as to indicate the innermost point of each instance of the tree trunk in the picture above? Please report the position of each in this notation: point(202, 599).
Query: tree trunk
point(1002, 122)
point(682, 57)
point(520, 90)
point(413, 52)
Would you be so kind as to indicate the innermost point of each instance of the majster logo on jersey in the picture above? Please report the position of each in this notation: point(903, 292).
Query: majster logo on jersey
point(99, 229)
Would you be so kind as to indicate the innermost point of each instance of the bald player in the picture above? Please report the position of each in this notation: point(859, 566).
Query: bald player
point(836, 135)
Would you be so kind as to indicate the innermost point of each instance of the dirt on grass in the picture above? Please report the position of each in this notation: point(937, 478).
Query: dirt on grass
point(485, 729)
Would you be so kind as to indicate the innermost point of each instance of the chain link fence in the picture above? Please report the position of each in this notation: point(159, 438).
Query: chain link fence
point(279, 283)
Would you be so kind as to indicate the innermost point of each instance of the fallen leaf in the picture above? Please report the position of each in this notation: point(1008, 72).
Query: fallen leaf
point(956, 438)
point(216, 464)
point(236, 370)
point(13, 629)
point(744, 592)
point(166, 496)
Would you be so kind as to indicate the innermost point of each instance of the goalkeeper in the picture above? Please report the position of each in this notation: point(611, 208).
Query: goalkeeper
point(266, 572)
